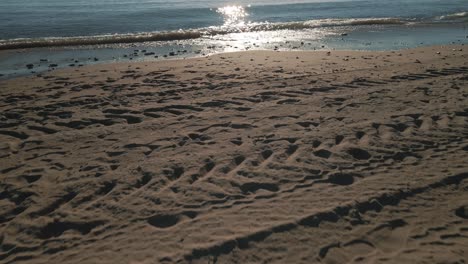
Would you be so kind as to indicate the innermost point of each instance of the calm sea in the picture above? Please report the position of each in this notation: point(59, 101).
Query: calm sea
point(116, 28)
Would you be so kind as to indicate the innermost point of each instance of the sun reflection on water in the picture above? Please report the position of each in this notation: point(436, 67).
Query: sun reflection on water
point(239, 33)
point(233, 15)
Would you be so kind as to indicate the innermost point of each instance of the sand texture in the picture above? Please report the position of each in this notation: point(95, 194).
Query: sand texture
point(252, 157)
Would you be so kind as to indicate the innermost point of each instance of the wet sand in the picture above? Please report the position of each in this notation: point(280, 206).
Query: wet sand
point(249, 157)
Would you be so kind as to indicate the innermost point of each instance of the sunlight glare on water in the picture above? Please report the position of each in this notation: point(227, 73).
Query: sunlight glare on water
point(234, 16)
point(241, 34)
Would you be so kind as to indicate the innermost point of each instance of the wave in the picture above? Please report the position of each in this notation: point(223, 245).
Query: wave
point(202, 32)
point(455, 16)
point(98, 40)
point(330, 23)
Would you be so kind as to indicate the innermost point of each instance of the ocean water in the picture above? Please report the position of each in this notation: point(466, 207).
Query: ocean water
point(106, 21)
point(113, 30)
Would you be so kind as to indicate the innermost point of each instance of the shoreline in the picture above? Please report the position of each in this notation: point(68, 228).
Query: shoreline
point(289, 53)
point(252, 156)
point(27, 61)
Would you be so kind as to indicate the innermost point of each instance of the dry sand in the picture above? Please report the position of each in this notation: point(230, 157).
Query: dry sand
point(251, 157)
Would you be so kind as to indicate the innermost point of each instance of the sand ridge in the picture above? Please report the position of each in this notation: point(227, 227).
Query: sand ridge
point(252, 157)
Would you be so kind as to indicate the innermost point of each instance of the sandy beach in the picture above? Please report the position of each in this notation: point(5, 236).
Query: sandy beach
point(246, 157)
